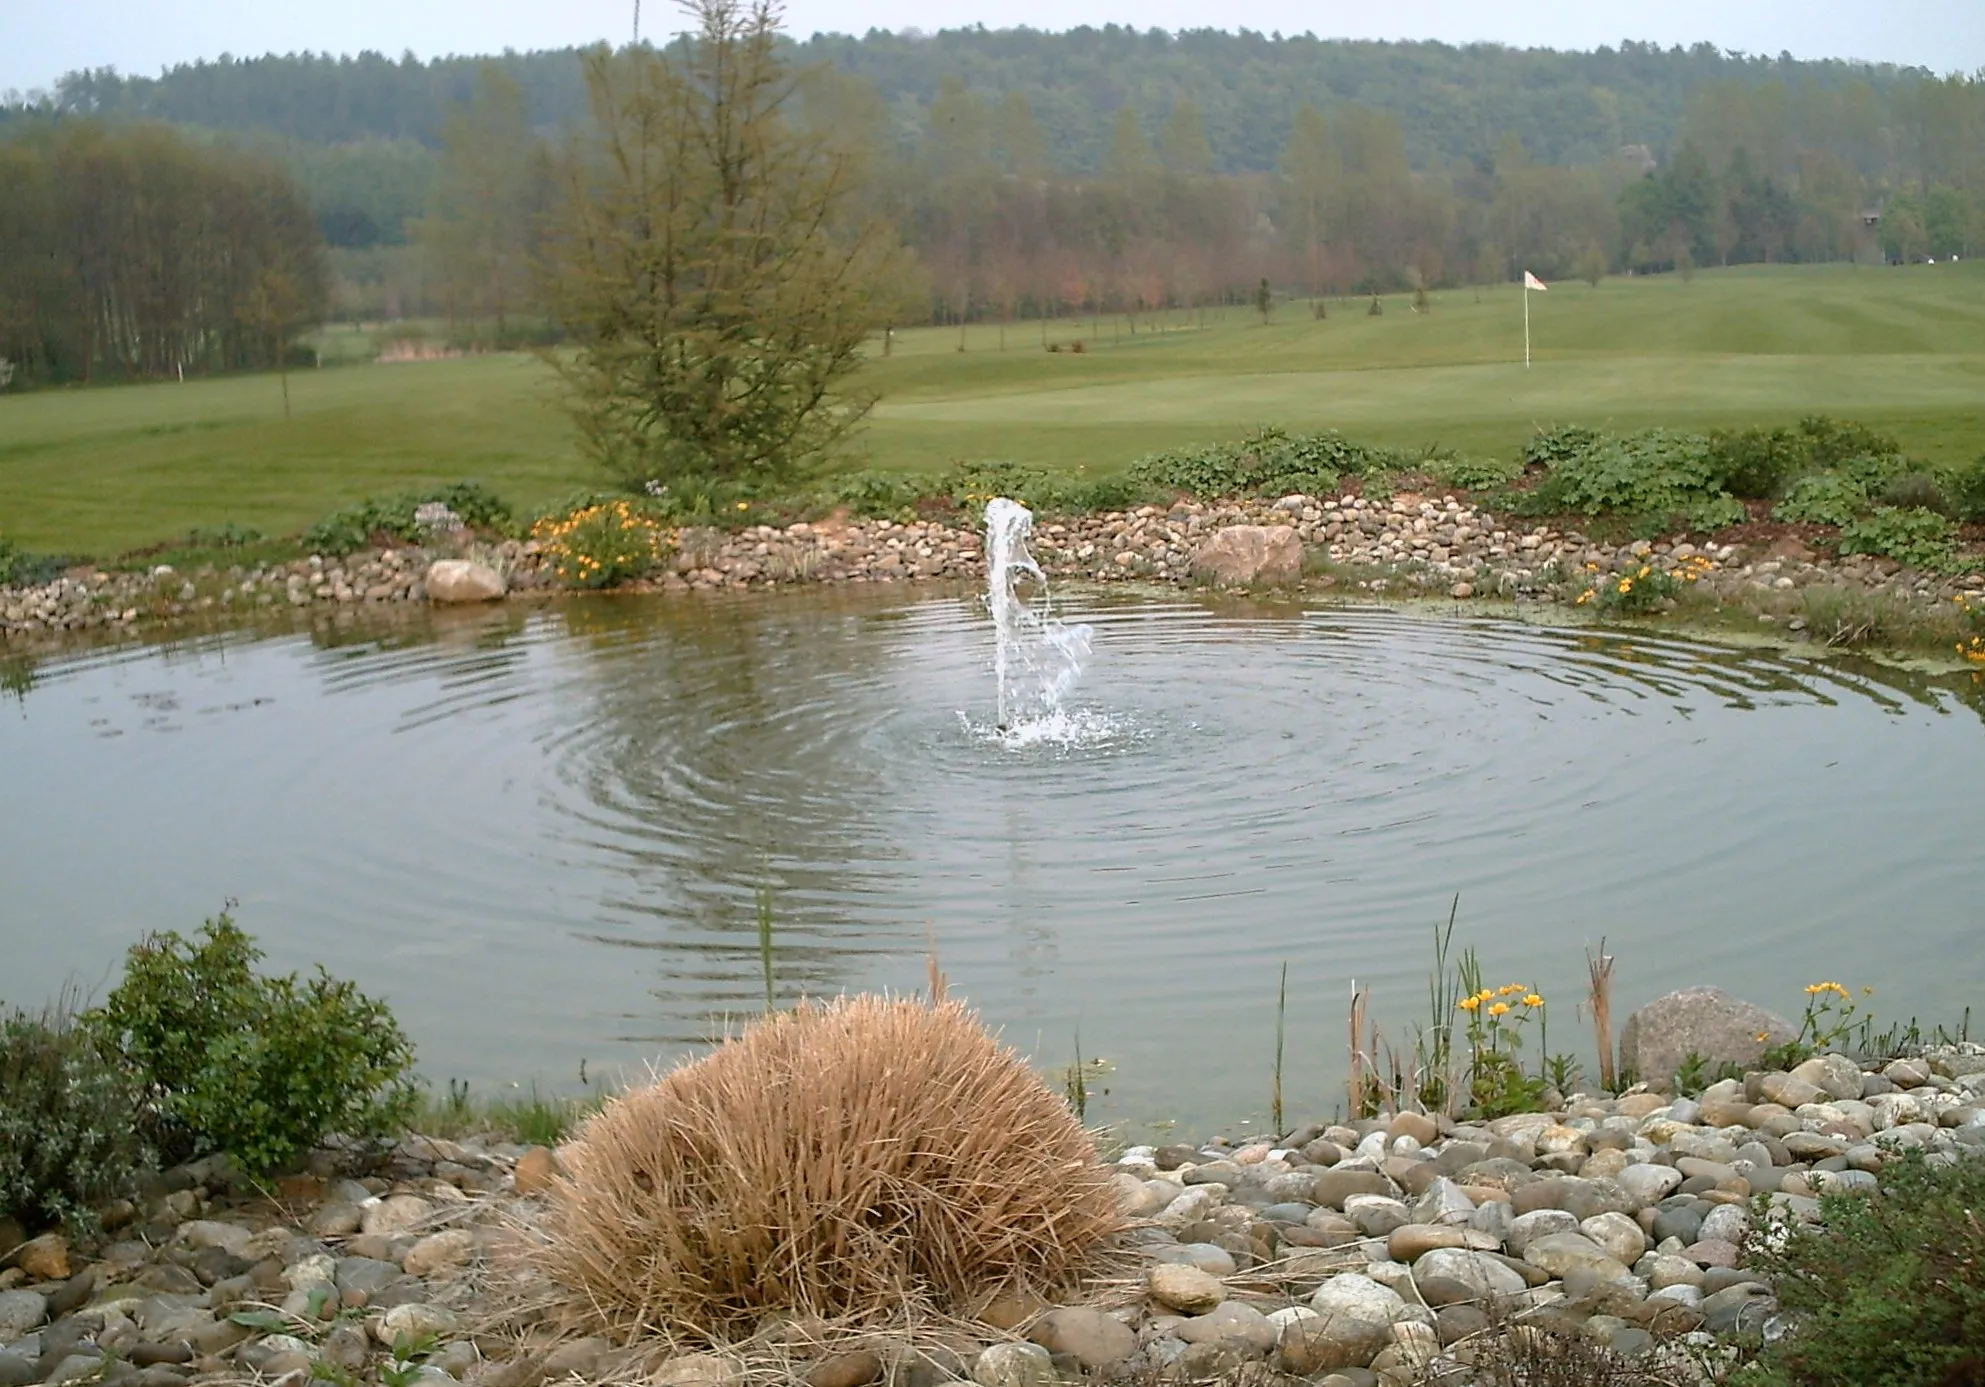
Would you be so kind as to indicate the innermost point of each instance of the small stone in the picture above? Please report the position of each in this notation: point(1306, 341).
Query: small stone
point(1462, 590)
point(17, 1370)
point(441, 1252)
point(699, 1370)
point(536, 1169)
point(1479, 1271)
point(1183, 1288)
point(1329, 1343)
point(334, 1220)
point(20, 1311)
point(1231, 1320)
point(1354, 1296)
point(1092, 1337)
point(414, 1321)
point(45, 1258)
point(1008, 1309)
point(857, 1368)
point(396, 1214)
point(1015, 1365)
point(1560, 1254)
point(1618, 1236)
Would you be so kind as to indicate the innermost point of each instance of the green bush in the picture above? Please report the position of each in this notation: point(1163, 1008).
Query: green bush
point(1964, 489)
point(259, 1067)
point(226, 536)
point(884, 494)
point(69, 1122)
point(1917, 490)
point(1836, 443)
point(1266, 462)
point(1655, 477)
point(1757, 463)
point(1822, 498)
point(20, 569)
point(1911, 536)
point(1476, 474)
point(1891, 1288)
point(363, 523)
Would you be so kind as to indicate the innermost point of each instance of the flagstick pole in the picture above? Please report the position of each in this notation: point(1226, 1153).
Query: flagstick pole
point(1526, 325)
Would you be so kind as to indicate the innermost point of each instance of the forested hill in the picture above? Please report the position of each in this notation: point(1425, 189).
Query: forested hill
point(1454, 105)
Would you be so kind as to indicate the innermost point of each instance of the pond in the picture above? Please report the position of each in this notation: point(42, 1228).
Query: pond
point(545, 835)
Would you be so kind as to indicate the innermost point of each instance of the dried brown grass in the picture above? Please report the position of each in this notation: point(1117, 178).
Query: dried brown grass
point(863, 1160)
point(1599, 969)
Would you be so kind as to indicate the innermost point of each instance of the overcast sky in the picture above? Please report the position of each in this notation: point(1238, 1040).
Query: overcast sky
point(42, 39)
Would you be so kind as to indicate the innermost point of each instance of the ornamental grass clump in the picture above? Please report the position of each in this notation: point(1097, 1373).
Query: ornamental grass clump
point(865, 1160)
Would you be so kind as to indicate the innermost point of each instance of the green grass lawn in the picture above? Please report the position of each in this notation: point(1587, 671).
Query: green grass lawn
point(109, 470)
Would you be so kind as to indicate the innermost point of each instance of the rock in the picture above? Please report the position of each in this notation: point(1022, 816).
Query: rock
point(231, 1238)
point(536, 1169)
point(1015, 1365)
point(20, 1311)
point(1650, 1184)
point(440, 1252)
point(334, 1220)
point(396, 1214)
point(1231, 1321)
point(578, 1358)
point(459, 580)
point(77, 1367)
point(1561, 1254)
point(1411, 1241)
point(856, 1368)
point(1538, 1223)
point(1238, 555)
point(414, 1321)
point(1479, 1271)
point(1618, 1236)
point(45, 1258)
point(17, 1370)
point(1093, 1338)
point(1354, 1296)
point(1418, 1126)
point(1183, 1288)
point(1333, 1187)
point(1789, 1091)
point(1329, 1343)
point(1705, 1021)
point(699, 1370)
point(1840, 1076)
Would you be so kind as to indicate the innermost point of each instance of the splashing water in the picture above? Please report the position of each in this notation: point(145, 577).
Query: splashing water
point(1037, 659)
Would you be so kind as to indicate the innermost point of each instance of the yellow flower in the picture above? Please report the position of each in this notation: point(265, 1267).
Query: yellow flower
point(1626, 586)
point(1469, 1003)
point(1499, 1009)
point(744, 505)
point(1512, 989)
point(1762, 1037)
point(1533, 1000)
point(1487, 994)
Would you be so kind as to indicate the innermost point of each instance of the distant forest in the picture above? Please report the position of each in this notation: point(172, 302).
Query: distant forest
point(1111, 170)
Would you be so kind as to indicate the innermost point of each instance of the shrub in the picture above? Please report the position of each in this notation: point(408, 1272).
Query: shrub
point(885, 494)
point(1913, 537)
point(1756, 463)
point(1476, 474)
point(361, 524)
point(1646, 589)
point(1268, 461)
point(866, 1158)
point(602, 545)
point(225, 536)
point(1964, 489)
point(259, 1067)
point(1655, 476)
point(69, 1139)
point(1891, 1289)
point(1836, 443)
point(1822, 498)
point(20, 569)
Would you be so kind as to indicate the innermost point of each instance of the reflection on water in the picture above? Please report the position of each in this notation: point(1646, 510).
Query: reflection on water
point(542, 833)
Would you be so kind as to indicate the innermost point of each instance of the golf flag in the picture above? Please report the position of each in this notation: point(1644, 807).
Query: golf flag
point(1530, 281)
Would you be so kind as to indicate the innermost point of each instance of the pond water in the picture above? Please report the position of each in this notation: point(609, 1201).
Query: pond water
point(544, 834)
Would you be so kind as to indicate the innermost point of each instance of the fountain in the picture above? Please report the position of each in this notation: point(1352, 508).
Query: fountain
point(1037, 659)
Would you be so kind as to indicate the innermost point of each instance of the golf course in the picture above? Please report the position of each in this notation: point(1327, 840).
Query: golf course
point(104, 471)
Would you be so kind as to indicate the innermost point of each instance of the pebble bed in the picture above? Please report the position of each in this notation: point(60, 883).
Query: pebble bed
point(1406, 544)
point(1345, 1255)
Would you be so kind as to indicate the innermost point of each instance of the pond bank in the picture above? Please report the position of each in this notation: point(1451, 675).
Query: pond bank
point(1363, 1252)
point(1405, 545)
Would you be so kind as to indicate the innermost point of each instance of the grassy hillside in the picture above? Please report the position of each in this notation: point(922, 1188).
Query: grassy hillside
point(105, 471)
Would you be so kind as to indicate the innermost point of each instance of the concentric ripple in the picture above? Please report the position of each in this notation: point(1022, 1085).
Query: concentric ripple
point(549, 838)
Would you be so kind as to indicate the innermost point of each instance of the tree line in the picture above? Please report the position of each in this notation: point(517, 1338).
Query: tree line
point(132, 252)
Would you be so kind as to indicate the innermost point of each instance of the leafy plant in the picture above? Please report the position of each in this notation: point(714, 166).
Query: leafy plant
point(1890, 1288)
point(1828, 1019)
point(1756, 463)
point(1475, 473)
point(20, 569)
point(602, 546)
point(1497, 1018)
point(225, 536)
point(1964, 490)
point(1655, 477)
point(359, 525)
point(1644, 590)
point(1913, 537)
point(259, 1067)
point(69, 1139)
point(1822, 498)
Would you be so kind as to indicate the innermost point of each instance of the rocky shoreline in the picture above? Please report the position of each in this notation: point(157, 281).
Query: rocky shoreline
point(1407, 544)
point(1347, 1254)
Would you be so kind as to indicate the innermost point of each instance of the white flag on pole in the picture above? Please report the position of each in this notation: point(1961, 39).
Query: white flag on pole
point(1530, 281)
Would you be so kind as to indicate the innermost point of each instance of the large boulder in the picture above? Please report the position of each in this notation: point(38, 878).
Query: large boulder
point(460, 580)
point(1242, 555)
point(1705, 1021)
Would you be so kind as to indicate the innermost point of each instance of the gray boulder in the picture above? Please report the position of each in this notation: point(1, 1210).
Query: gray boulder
point(1239, 555)
point(1705, 1021)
